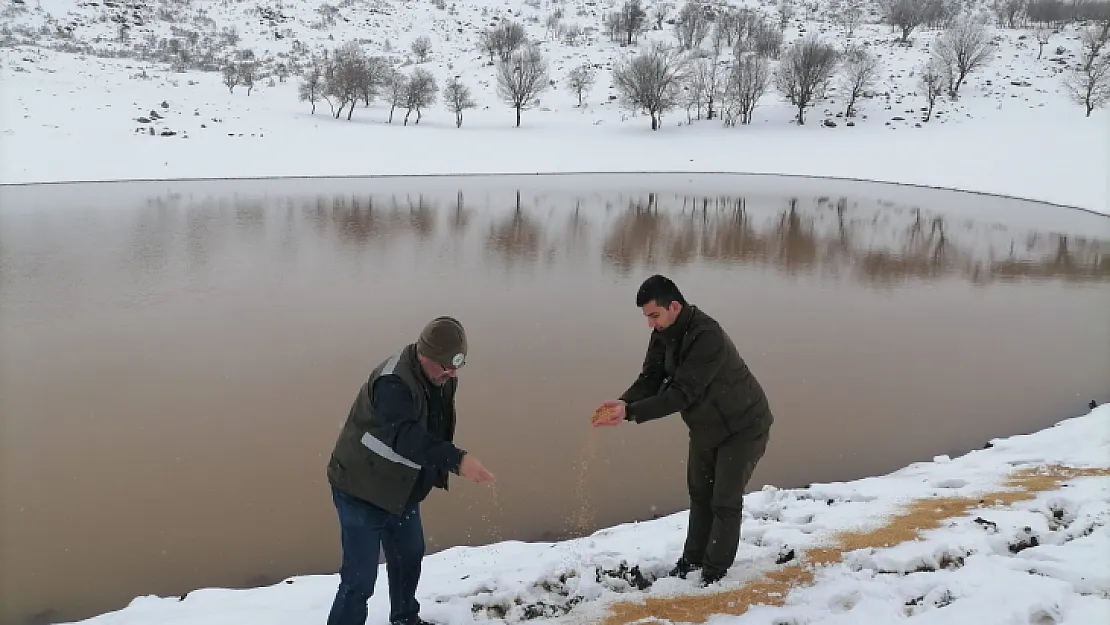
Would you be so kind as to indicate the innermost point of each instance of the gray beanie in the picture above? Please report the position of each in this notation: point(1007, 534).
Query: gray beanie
point(444, 341)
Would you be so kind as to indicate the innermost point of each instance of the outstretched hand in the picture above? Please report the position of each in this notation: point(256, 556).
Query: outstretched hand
point(609, 413)
point(473, 470)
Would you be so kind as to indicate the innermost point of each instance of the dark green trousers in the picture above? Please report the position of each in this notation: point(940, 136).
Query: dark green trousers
point(717, 478)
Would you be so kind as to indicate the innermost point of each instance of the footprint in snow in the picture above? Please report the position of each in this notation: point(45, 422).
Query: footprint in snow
point(949, 483)
point(844, 602)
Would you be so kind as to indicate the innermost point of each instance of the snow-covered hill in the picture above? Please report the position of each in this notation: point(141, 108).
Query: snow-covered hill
point(126, 89)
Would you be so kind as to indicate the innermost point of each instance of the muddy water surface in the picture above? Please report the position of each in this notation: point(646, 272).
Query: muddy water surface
point(176, 359)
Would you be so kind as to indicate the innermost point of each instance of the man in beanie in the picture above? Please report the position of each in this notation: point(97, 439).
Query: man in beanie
point(395, 446)
point(693, 368)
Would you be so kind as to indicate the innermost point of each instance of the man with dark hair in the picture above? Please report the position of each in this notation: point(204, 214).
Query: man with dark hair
point(692, 367)
point(395, 446)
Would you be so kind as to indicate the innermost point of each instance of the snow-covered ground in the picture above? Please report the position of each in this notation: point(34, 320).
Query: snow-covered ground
point(76, 116)
point(1014, 533)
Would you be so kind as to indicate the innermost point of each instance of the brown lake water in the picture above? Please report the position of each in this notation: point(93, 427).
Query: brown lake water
point(177, 358)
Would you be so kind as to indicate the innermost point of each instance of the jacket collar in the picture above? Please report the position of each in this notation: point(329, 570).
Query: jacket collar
point(419, 374)
point(681, 323)
point(414, 366)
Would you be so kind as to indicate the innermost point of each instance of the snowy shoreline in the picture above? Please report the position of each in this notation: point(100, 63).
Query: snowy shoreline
point(789, 179)
point(989, 164)
point(1034, 558)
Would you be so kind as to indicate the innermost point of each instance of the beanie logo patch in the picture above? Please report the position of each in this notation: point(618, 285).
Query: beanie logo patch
point(458, 360)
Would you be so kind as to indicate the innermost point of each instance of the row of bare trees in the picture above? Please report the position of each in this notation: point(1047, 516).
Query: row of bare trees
point(237, 73)
point(662, 77)
point(908, 15)
point(347, 76)
point(1052, 13)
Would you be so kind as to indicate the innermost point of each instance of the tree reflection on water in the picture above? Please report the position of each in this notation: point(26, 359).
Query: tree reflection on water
point(876, 242)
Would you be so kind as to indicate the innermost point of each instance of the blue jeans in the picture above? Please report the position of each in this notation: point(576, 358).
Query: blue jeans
point(364, 529)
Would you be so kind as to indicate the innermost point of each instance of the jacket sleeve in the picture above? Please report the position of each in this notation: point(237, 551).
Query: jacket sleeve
point(402, 429)
point(704, 357)
point(651, 374)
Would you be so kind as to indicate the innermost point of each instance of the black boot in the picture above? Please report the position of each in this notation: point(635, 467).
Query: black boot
point(683, 568)
point(711, 576)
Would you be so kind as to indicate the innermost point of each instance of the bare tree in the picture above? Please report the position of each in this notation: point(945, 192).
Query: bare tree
point(652, 81)
point(456, 96)
point(573, 33)
point(376, 72)
point(1049, 12)
point(421, 48)
point(708, 77)
point(692, 25)
point(962, 49)
point(1041, 34)
point(613, 26)
point(747, 81)
point(502, 40)
point(905, 15)
point(345, 77)
point(693, 90)
point(722, 30)
point(767, 40)
point(786, 13)
point(631, 19)
point(522, 78)
point(398, 86)
point(848, 15)
point(940, 14)
point(861, 69)
point(659, 13)
point(1089, 83)
point(230, 73)
point(804, 73)
point(931, 79)
point(552, 23)
point(312, 84)
point(733, 23)
point(1092, 41)
point(420, 93)
point(580, 80)
point(1008, 12)
point(248, 71)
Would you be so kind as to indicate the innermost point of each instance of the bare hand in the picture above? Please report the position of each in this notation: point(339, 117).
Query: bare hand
point(609, 413)
point(473, 470)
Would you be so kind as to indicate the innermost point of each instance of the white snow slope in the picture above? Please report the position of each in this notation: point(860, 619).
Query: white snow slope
point(1041, 560)
point(74, 115)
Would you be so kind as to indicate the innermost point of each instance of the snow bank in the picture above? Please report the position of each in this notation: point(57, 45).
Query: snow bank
point(1038, 560)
